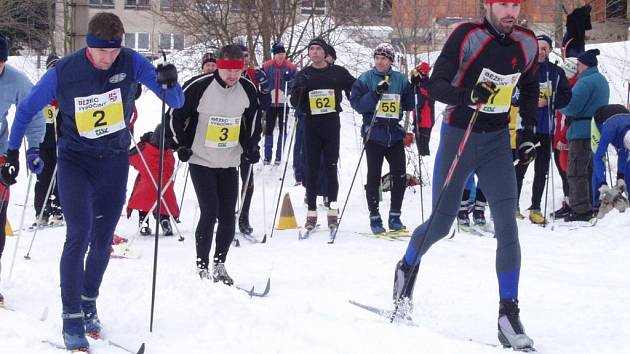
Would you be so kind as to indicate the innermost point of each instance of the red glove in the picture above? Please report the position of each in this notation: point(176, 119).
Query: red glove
point(408, 139)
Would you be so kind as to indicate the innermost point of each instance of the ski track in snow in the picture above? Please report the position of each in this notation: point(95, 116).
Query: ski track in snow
point(573, 295)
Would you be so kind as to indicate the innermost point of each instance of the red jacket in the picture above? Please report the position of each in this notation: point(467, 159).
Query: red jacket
point(144, 194)
point(560, 141)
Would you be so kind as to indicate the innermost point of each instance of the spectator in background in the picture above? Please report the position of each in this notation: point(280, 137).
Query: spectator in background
point(208, 63)
point(578, 22)
point(424, 110)
point(589, 94)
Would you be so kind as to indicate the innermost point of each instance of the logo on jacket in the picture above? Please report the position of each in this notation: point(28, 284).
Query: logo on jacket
point(514, 63)
point(117, 78)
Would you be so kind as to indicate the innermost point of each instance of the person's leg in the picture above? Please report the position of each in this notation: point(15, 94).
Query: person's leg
point(331, 157)
point(313, 147)
point(246, 169)
point(374, 154)
point(43, 181)
point(298, 149)
point(281, 125)
point(227, 190)
point(520, 170)
point(395, 156)
point(541, 168)
point(270, 125)
point(579, 158)
point(3, 223)
point(205, 181)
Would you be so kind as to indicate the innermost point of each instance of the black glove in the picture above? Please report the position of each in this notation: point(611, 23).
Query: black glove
point(252, 155)
point(184, 153)
point(482, 92)
point(382, 87)
point(526, 151)
point(10, 167)
point(416, 77)
point(166, 75)
point(146, 137)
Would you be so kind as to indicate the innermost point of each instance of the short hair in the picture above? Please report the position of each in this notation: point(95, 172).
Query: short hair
point(106, 25)
point(230, 52)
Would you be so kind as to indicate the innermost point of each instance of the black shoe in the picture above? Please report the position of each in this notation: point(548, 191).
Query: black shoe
point(563, 212)
point(573, 216)
point(511, 331)
point(166, 227)
point(243, 225)
point(219, 274)
point(145, 231)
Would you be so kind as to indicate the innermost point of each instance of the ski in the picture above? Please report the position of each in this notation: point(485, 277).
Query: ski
point(252, 239)
point(252, 292)
point(495, 345)
point(574, 225)
point(387, 314)
point(32, 228)
point(307, 233)
point(382, 236)
point(116, 345)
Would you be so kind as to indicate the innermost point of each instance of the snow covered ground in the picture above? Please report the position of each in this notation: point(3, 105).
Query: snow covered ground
point(574, 289)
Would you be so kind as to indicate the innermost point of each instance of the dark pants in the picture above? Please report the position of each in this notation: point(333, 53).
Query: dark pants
point(579, 170)
point(541, 168)
point(247, 201)
point(321, 136)
point(3, 222)
point(49, 156)
point(93, 190)
point(273, 114)
point(563, 175)
point(395, 155)
point(298, 149)
point(490, 157)
point(216, 190)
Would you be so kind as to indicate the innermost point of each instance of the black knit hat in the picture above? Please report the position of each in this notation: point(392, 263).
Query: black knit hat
point(51, 60)
point(208, 58)
point(589, 58)
point(332, 52)
point(320, 42)
point(546, 38)
point(278, 48)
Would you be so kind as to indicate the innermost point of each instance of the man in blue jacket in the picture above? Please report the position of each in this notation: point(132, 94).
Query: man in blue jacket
point(589, 94)
point(612, 126)
point(14, 87)
point(381, 94)
point(95, 88)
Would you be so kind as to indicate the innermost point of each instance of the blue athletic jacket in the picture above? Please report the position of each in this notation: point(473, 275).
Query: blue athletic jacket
point(75, 83)
point(588, 95)
point(553, 82)
point(363, 98)
point(612, 132)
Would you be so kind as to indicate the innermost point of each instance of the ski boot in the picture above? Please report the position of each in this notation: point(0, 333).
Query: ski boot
point(1, 301)
point(267, 162)
point(145, 230)
point(404, 282)
point(311, 220)
point(518, 215)
point(276, 163)
point(462, 215)
point(166, 227)
point(74, 332)
point(40, 222)
point(90, 317)
point(574, 216)
point(561, 213)
point(332, 215)
point(203, 272)
point(219, 274)
point(56, 220)
point(376, 224)
point(479, 216)
point(243, 224)
point(536, 217)
point(394, 222)
point(511, 331)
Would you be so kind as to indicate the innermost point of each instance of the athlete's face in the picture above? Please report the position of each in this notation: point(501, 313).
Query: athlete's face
point(316, 54)
point(543, 51)
point(103, 58)
point(230, 76)
point(503, 15)
point(279, 57)
point(382, 63)
point(209, 67)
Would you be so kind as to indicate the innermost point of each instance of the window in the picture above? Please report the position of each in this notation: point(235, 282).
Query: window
point(313, 7)
point(102, 3)
point(171, 41)
point(171, 5)
point(138, 41)
point(138, 4)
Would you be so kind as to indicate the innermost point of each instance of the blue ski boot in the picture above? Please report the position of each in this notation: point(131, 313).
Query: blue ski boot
point(74, 332)
point(394, 221)
point(376, 224)
point(92, 323)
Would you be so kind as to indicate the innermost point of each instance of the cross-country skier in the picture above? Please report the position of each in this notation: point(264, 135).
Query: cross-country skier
point(95, 87)
point(219, 121)
point(317, 92)
point(475, 74)
point(14, 88)
point(380, 95)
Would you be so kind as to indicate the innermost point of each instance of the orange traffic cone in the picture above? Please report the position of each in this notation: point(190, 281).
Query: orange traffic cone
point(287, 215)
point(8, 230)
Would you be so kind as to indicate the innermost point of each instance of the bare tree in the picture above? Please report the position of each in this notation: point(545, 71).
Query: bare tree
point(26, 23)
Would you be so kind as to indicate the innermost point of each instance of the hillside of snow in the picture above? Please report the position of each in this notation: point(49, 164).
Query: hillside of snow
point(574, 290)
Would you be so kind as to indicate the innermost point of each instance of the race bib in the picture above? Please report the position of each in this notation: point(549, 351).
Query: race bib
point(389, 106)
point(278, 97)
point(545, 89)
point(321, 101)
point(99, 115)
point(50, 113)
point(223, 132)
point(595, 136)
point(501, 100)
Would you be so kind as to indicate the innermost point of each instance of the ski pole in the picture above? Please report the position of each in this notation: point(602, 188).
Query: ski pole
point(609, 171)
point(447, 182)
point(286, 163)
point(249, 174)
point(415, 108)
point(41, 212)
point(285, 119)
point(181, 200)
point(550, 167)
point(17, 240)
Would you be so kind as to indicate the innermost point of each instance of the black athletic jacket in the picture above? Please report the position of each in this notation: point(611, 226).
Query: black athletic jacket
point(472, 47)
point(308, 79)
point(183, 121)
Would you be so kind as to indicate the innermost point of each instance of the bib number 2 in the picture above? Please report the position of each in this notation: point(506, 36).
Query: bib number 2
point(99, 115)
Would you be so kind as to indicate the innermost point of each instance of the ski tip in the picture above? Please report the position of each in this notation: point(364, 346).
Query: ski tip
point(141, 349)
point(267, 287)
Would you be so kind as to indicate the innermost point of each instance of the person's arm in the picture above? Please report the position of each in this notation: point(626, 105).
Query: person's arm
point(362, 99)
point(348, 82)
point(577, 102)
point(599, 168)
point(28, 117)
point(407, 101)
point(179, 118)
point(563, 92)
point(145, 74)
point(252, 115)
point(528, 95)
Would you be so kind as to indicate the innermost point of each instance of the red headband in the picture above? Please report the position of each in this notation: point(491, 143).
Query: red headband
point(500, 1)
point(230, 64)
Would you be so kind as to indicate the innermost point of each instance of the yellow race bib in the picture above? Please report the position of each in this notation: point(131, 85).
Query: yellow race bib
point(99, 115)
point(321, 101)
point(223, 132)
point(50, 113)
point(500, 101)
point(389, 106)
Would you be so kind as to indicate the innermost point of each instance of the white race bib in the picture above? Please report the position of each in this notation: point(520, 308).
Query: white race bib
point(501, 100)
point(389, 106)
point(223, 132)
point(99, 115)
point(321, 101)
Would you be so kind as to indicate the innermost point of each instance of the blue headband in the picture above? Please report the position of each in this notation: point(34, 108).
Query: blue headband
point(95, 42)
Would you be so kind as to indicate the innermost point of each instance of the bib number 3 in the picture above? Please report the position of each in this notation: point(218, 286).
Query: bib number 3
point(223, 132)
